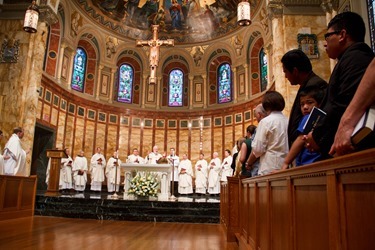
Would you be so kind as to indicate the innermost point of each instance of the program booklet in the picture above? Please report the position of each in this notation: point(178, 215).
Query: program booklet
point(365, 127)
point(315, 116)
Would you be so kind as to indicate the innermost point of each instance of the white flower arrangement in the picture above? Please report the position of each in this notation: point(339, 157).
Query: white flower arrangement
point(144, 184)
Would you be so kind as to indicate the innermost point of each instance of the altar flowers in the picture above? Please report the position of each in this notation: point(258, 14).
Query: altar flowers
point(144, 184)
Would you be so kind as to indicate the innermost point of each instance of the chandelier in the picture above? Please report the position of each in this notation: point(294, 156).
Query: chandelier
point(243, 13)
point(30, 23)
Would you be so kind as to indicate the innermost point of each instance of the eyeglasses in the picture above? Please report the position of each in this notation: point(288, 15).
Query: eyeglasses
point(326, 35)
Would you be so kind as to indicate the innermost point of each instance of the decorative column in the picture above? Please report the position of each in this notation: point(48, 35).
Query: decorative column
point(191, 95)
point(234, 94)
point(205, 90)
point(330, 13)
point(275, 9)
point(158, 92)
point(248, 87)
point(60, 61)
point(70, 70)
point(99, 83)
point(111, 85)
point(144, 90)
point(268, 52)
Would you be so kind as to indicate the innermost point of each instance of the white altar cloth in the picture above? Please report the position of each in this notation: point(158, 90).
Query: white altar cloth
point(163, 171)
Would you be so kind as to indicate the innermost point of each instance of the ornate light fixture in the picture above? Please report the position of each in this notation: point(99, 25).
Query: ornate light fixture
point(31, 18)
point(243, 13)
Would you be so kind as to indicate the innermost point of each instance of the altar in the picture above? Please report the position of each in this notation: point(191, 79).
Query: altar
point(163, 172)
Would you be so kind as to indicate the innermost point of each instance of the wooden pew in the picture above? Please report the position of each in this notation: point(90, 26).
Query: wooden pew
point(17, 196)
point(325, 205)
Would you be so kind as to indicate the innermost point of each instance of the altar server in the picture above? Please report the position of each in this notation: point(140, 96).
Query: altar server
point(214, 174)
point(97, 165)
point(66, 177)
point(185, 172)
point(113, 173)
point(201, 174)
point(226, 169)
point(80, 169)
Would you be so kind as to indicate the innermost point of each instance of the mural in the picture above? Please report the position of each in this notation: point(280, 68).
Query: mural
point(185, 21)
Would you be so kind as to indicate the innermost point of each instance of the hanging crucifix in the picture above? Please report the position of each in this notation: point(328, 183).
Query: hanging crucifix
point(154, 44)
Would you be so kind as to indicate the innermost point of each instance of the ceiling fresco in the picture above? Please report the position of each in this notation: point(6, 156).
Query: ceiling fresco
point(185, 21)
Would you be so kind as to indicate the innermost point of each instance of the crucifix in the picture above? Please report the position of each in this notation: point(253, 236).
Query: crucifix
point(154, 44)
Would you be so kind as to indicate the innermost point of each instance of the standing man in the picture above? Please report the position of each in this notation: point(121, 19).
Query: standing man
point(154, 156)
point(14, 155)
point(80, 169)
point(185, 172)
point(135, 157)
point(174, 160)
point(298, 70)
point(226, 169)
point(66, 176)
point(113, 173)
point(97, 165)
point(345, 42)
point(201, 174)
point(214, 174)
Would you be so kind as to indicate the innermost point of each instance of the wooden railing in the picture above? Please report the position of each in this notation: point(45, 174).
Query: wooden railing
point(325, 205)
point(17, 196)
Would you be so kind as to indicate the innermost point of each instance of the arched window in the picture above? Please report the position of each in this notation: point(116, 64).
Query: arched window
point(263, 70)
point(224, 83)
point(79, 70)
point(125, 83)
point(176, 86)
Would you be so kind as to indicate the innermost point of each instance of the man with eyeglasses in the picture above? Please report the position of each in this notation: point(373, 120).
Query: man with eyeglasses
point(344, 42)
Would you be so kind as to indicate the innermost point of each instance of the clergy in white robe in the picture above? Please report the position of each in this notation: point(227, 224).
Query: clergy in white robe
point(214, 174)
point(226, 166)
point(14, 155)
point(135, 157)
point(66, 175)
point(174, 160)
point(154, 156)
point(1, 156)
point(97, 165)
point(185, 173)
point(80, 169)
point(113, 173)
point(201, 175)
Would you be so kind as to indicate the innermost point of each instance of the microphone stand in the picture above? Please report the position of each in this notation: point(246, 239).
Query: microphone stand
point(173, 198)
point(115, 195)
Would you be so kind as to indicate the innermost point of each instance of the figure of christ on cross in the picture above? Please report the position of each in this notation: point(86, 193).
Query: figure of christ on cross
point(154, 44)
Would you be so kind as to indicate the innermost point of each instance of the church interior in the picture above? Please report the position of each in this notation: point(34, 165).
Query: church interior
point(97, 74)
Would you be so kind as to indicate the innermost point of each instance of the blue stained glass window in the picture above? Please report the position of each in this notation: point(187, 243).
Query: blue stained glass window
point(263, 70)
point(176, 86)
point(79, 70)
point(125, 86)
point(224, 83)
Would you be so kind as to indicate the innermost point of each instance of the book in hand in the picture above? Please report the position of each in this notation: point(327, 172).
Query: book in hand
point(315, 117)
point(364, 128)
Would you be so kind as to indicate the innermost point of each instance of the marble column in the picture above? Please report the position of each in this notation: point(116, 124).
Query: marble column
point(204, 90)
point(99, 83)
point(191, 93)
point(158, 92)
point(268, 52)
point(144, 90)
point(33, 74)
point(276, 13)
point(111, 85)
point(234, 94)
point(70, 69)
point(248, 87)
point(60, 61)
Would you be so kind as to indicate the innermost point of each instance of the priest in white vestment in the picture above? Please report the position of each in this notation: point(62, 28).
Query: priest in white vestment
point(174, 160)
point(66, 175)
point(97, 165)
point(226, 166)
point(185, 172)
point(113, 173)
point(1, 156)
point(154, 156)
point(135, 157)
point(80, 169)
point(201, 175)
point(214, 174)
point(14, 155)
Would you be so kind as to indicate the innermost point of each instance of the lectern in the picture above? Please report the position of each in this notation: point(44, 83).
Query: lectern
point(54, 172)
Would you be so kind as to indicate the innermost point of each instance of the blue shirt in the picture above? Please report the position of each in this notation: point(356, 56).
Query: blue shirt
point(305, 156)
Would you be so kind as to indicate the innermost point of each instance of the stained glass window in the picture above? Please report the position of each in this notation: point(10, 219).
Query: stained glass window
point(176, 86)
point(224, 83)
point(79, 70)
point(263, 70)
point(125, 85)
point(371, 18)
